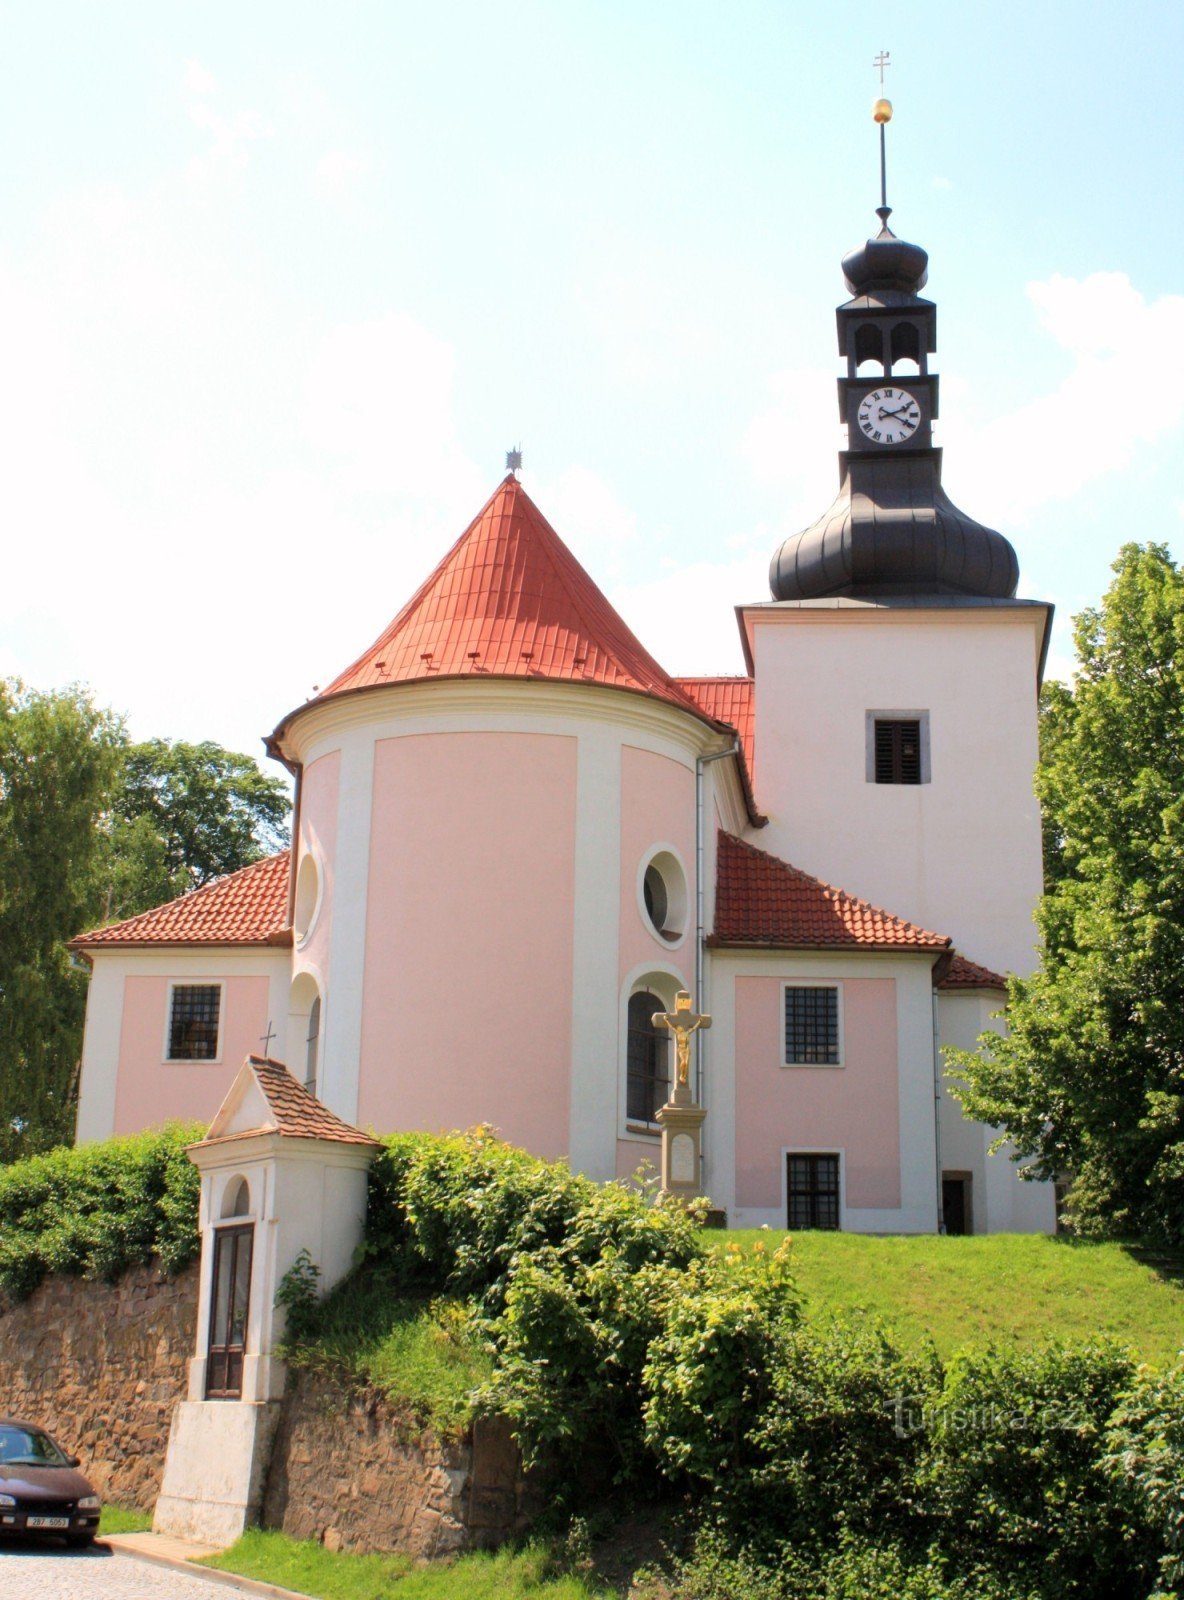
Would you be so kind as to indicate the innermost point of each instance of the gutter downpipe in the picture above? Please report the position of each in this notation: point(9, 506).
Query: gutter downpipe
point(701, 900)
point(941, 1219)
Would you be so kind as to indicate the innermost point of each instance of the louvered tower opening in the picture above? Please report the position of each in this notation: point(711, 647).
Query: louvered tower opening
point(898, 751)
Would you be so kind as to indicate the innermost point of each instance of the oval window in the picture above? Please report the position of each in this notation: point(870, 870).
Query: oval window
point(664, 896)
point(308, 891)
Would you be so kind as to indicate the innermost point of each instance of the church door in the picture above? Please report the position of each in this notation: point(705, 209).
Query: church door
point(228, 1312)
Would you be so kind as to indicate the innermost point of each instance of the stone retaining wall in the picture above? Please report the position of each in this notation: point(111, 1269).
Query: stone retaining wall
point(349, 1470)
point(101, 1366)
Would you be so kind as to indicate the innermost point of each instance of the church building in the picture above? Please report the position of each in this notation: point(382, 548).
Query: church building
point(516, 837)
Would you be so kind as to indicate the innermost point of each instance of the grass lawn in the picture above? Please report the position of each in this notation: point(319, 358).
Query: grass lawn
point(1019, 1288)
point(527, 1573)
point(118, 1519)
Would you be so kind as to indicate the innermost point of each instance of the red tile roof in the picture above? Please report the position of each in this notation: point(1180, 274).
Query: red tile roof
point(964, 974)
point(298, 1114)
point(246, 907)
point(509, 600)
point(763, 901)
point(726, 700)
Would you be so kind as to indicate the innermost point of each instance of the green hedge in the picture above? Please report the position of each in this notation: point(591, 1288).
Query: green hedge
point(97, 1209)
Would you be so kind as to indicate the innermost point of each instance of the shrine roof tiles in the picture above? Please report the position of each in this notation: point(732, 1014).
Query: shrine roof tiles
point(298, 1114)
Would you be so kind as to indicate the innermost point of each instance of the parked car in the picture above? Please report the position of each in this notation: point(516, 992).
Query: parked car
point(41, 1490)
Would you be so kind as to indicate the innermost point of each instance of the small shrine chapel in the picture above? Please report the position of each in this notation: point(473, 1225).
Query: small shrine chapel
point(516, 838)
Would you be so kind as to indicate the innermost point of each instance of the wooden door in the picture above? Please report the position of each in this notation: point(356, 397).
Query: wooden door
point(229, 1305)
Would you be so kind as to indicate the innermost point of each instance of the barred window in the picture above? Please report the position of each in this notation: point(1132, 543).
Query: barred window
point(813, 1190)
point(193, 1021)
point(648, 1085)
point(811, 1026)
point(898, 751)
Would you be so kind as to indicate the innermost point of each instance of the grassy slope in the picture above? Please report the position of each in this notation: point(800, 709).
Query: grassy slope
point(523, 1574)
point(1020, 1288)
point(415, 1350)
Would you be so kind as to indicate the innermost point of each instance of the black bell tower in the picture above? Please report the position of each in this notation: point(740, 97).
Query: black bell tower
point(893, 529)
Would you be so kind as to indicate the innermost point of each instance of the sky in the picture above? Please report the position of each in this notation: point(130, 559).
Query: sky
point(281, 283)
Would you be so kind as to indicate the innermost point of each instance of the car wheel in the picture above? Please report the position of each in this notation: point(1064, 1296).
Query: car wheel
point(80, 1541)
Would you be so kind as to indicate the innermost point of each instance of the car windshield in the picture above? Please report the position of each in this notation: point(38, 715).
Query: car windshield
point(28, 1447)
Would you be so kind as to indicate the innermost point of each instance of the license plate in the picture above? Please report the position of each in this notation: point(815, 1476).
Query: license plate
point(47, 1522)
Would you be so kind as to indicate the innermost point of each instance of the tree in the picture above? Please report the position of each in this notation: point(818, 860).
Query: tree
point(1089, 1080)
point(93, 828)
point(58, 758)
point(183, 814)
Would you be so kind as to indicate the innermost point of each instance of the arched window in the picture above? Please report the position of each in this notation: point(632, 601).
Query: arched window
point(648, 1085)
point(313, 1045)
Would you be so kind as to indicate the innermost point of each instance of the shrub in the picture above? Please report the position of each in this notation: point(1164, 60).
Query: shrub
point(459, 1211)
point(711, 1370)
point(98, 1209)
point(1145, 1461)
point(1015, 1469)
point(567, 1276)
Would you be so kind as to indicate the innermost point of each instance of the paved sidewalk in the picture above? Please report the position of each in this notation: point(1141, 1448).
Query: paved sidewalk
point(177, 1555)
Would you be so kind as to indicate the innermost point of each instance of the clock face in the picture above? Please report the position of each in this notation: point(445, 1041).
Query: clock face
point(889, 416)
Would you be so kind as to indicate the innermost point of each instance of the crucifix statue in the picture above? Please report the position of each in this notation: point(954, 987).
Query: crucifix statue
point(681, 1119)
point(682, 1022)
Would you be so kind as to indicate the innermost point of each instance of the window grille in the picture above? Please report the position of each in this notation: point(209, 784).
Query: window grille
point(811, 1026)
point(648, 1062)
point(193, 1022)
point(813, 1187)
point(898, 751)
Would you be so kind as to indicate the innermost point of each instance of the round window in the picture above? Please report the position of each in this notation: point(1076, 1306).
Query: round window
point(664, 896)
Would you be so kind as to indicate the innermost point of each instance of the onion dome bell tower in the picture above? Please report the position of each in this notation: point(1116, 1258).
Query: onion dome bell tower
point(893, 530)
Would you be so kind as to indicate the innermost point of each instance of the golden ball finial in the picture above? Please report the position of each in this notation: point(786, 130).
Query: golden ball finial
point(882, 111)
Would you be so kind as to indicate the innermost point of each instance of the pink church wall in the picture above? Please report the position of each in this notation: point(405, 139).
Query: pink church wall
point(469, 936)
point(150, 1090)
point(854, 1108)
point(319, 790)
point(657, 807)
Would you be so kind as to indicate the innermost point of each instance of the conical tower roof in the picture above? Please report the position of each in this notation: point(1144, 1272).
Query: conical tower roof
point(509, 600)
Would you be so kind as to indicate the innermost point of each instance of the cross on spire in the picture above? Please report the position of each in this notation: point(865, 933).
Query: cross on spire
point(514, 459)
point(882, 60)
point(265, 1041)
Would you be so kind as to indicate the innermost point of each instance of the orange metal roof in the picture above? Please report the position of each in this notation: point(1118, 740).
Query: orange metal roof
point(964, 974)
point(510, 600)
point(761, 900)
point(246, 907)
point(727, 700)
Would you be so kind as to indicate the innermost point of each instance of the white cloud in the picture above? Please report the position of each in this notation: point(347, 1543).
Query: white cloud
point(378, 398)
point(198, 80)
point(1121, 396)
point(793, 441)
point(231, 132)
point(588, 517)
point(339, 169)
point(686, 618)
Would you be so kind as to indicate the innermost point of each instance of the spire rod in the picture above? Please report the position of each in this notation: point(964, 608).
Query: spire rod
point(882, 113)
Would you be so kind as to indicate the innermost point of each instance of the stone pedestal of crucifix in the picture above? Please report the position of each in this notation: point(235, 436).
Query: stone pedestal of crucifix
point(681, 1119)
